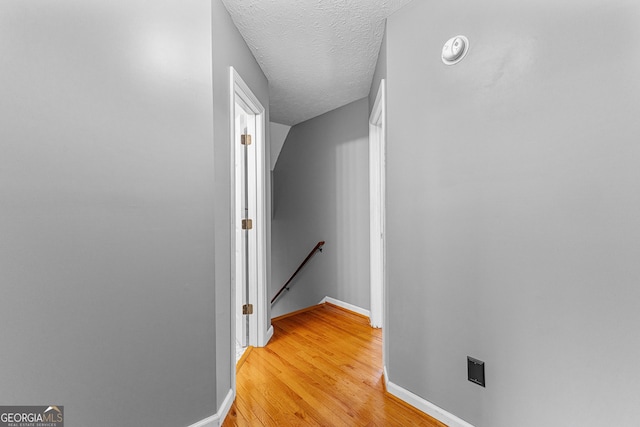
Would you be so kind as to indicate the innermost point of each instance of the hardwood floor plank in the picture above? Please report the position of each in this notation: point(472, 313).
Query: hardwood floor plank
point(323, 367)
point(299, 372)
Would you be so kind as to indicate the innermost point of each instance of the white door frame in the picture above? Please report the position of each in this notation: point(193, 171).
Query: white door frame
point(258, 334)
point(377, 150)
point(243, 121)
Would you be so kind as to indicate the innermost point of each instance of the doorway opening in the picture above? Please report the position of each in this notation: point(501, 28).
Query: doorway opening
point(377, 155)
point(249, 270)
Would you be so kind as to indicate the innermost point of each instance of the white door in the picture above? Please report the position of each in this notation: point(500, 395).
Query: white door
point(249, 161)
point(245, 267)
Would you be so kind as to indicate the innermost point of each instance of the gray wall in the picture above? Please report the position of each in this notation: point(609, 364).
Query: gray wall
point(229, 49)
point(380, 71)
point(513, 210)
point(321, 184)
point(106, 207)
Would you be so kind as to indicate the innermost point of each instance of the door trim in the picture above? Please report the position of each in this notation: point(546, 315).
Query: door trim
point(258, 323)
point(377, 150)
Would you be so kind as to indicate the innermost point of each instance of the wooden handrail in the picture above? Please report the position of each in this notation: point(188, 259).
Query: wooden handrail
point(312, 253)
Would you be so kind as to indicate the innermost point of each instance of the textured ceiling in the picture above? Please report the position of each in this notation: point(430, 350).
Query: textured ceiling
point(317, 54)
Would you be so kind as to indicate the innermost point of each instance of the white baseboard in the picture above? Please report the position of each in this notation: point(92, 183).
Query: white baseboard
point(423, 405)
point(347, 306)
point(269, 336)
point(212, 421)
point(226, 406)
point(385, 377)
point(217, 419)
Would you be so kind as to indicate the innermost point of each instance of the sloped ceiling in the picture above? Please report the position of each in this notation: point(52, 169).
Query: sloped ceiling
point(317, 54)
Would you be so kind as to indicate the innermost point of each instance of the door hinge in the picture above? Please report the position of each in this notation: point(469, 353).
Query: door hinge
point(247, 224)
point(245, 139)
point(247, 309)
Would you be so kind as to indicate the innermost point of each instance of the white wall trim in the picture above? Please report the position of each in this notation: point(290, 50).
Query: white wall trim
point(346, 306)
point(217, 419)
point(226, 406)
point(385, 376)
point(212, 421)
point(423, 405)
point(268, 336)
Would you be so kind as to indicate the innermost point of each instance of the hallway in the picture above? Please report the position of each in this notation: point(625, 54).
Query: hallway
point(322, 367)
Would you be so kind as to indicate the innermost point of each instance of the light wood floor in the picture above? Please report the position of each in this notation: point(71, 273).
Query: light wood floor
point(323, 367)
